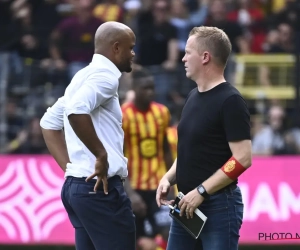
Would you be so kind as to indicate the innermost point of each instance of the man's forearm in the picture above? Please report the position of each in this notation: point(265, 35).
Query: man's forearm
point(220, 180)
point(216, 182)
point(84, 128)
point(171, 174)
point(56, 145)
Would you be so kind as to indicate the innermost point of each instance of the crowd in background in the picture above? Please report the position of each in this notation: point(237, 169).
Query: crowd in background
point(43, 43)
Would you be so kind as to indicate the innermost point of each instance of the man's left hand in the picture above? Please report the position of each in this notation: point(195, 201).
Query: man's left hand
point(189, 203)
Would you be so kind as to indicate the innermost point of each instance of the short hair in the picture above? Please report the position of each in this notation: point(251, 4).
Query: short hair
point(214, 40)
point(138, 74)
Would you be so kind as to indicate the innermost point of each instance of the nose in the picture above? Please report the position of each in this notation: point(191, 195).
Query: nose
point(133, 53)
point(183, 59)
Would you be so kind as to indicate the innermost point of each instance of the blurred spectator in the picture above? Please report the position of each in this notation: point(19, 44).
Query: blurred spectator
point(37, 19)
point(283, 41)
point(157, 47)
point(250, 17)
point(290, 14)
point(9, 39)
point(72, 40)
point(277, 5)
point(274, 138)
point(132, 8)
point(280, 40)
point(184, 21)
point(109, 10)
point(9, 27)
point(14, 121)
point(29, 140)
point(237, 36)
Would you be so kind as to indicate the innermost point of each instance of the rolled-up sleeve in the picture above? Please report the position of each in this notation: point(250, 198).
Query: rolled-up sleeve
point(54, 116)
point(95, 91)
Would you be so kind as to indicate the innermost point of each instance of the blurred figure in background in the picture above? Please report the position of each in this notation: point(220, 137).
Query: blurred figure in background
point(172, 132)
point(237, 36)
point(29, 140)
point(251, 18)
point(109, 10)
point(275, 138)
point(72, 41)
point(184, 20)
point(14, 121)
point(158, 47)
point(146, 146)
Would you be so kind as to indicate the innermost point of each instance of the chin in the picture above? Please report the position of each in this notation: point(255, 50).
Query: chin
point(128, 70)
point(188, 75)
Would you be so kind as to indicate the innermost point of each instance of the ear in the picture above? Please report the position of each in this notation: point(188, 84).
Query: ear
point(205, 57)
point(116, 47)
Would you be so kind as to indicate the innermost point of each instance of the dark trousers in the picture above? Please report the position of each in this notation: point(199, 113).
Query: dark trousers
point(101, 222)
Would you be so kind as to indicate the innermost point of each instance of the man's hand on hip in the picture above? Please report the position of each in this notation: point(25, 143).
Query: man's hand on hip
point(101, 170)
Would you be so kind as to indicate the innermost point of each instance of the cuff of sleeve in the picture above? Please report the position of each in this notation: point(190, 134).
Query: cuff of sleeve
point(77, 110)
point(49, 125)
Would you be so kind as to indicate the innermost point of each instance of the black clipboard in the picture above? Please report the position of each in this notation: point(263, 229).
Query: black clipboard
point(193, 225)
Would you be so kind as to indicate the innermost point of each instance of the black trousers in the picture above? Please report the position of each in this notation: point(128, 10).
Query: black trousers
point(101, 222)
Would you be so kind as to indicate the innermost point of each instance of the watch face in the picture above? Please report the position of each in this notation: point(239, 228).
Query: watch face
point(201, 189)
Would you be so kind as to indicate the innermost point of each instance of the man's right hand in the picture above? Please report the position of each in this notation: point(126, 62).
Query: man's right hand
point(162, 193)
point(101, 170)
point(139, 207)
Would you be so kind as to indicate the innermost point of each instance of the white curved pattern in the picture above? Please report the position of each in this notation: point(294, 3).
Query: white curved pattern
point(50, 209)
point(36, 176)
point(19, 220)
point(30, 206)
point(51, 176)
point(10, 229)
point(6, 179)
point(7, 175)
point(52, 223)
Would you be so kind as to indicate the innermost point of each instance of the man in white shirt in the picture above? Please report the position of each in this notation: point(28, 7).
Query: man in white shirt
point(83, 132)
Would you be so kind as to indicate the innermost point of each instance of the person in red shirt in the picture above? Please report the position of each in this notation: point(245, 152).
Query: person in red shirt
point(250, 16)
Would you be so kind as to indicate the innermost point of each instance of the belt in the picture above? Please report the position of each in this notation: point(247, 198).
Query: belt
point(109, 179)
point(230, 187)
point(114, 180)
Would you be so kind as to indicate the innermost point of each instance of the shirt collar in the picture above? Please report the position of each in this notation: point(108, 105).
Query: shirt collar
point(103, 62)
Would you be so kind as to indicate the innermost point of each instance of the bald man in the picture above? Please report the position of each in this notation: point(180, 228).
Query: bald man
point(83, 132)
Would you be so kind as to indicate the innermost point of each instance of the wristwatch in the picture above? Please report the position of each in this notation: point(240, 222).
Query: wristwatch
point(201, 190)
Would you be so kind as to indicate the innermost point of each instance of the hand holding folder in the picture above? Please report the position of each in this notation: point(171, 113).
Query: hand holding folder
point(193, 225)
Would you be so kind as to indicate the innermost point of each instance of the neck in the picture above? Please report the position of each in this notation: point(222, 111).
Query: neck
point(209, 79)
point(106, 53)
point(141, 106)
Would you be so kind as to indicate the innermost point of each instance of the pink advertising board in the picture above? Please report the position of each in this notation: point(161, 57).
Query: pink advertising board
point(31, 211)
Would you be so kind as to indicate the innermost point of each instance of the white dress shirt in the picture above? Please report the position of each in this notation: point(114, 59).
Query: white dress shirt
point(93, 91)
